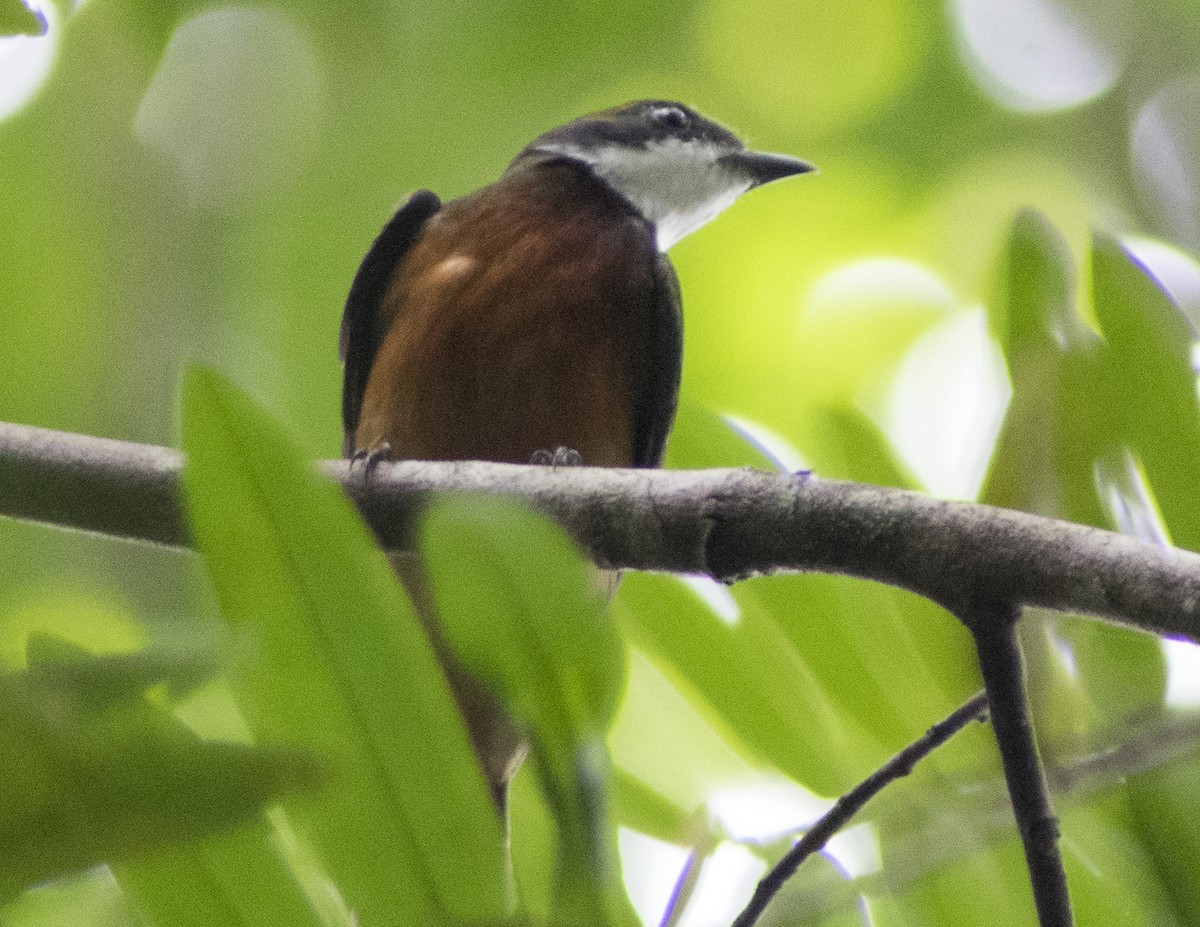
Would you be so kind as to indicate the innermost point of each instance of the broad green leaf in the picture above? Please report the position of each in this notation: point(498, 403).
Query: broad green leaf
point(240, 880)
point(1152, 382)
point(90, 899)
point(965, 885)
point(94, 772)
point(97, 624)
point(339, 664)
point(893, 662)
point(701, 438)
point(525, 613)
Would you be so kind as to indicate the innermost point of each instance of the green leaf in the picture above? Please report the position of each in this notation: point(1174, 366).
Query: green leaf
point(1110, 869)
point(969, 886)
point(97, 773)
point(764, 691)
point(1164, 805)
point(18, 19)
point(534, 845)
point(847, 445)
point(1152, 382)
point(340, 665)
point(701, 438)
point(240, 880)
point(1052, 436)
point(526, 615)
point(886, 660)
point(1065, 424)
point(638, 806)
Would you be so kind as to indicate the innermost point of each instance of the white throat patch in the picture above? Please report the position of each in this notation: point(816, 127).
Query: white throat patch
point(677, 185)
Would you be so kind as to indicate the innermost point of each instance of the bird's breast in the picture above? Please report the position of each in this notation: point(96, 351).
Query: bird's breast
point(507, 329)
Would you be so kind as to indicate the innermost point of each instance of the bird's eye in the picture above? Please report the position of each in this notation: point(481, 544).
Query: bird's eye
point(669, 117)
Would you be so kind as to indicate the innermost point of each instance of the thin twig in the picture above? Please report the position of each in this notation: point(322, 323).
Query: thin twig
point(726, 523)
point(685, 885)
point(853, 801)
point(994, 626)
point(925, 840)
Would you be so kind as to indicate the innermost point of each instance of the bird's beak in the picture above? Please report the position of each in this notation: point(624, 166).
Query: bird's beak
point(762, 167)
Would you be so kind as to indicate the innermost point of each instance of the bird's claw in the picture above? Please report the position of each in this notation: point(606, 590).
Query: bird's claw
point(559, 457)
point(370, 458)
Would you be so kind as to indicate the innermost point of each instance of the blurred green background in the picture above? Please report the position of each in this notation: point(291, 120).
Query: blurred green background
point(187, 182)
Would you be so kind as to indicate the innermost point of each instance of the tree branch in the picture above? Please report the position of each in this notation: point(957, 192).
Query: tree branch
point(853, 801)
point(994, 626)
point(727, 523)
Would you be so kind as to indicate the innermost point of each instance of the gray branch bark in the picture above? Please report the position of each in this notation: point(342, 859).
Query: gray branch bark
point(727, 523)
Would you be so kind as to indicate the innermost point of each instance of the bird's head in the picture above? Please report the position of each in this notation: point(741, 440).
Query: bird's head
point(678, 169)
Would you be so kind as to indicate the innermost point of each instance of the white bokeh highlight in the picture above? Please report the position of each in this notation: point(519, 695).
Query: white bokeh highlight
point(726, 883)
point(650, 869)
point(1166, 158)
point(856, 850)
point(27, 60)
point(1183, 674)
point(765, 807)
point(947, 405)
point(715, 595)
point(1043, 54)
point(875, 285)
point(1176, 271)
point(235, 104)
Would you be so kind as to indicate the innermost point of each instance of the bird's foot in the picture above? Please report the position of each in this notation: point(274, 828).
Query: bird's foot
point(559, 457)
point(370, 458)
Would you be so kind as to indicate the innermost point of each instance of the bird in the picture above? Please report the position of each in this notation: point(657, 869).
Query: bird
point(538, 319)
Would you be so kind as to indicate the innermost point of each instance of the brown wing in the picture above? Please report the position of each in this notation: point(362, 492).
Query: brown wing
point(361, 331)
point(657, 368)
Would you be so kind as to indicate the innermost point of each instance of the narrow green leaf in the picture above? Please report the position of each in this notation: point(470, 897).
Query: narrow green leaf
point(849, 446)
point(638, 806)
point(342, 666)
point(526, 615)
point(765, 692)
point(534, 842)
point(1066, 421)
point(1053, 434)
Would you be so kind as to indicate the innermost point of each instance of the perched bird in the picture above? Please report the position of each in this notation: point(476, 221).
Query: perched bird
point(538, 314)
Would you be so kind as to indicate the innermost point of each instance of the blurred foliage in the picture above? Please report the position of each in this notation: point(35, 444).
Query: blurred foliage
point(541, 640)
point(18, 19)
point(95, 771)
point(990, 291)
point(344, 666)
